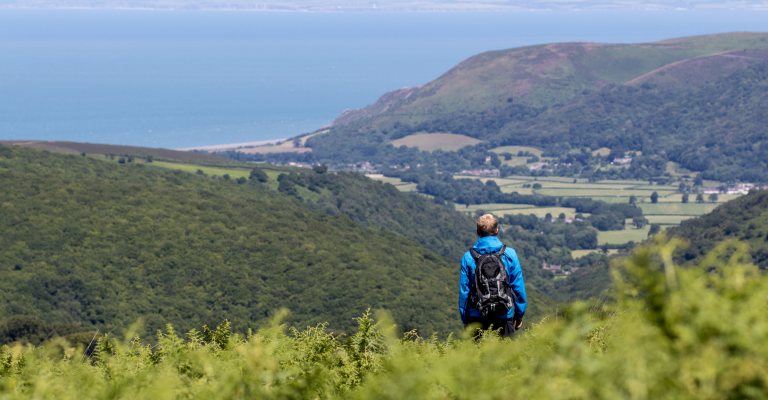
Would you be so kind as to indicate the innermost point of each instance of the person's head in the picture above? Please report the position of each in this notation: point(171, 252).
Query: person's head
point(487, 225)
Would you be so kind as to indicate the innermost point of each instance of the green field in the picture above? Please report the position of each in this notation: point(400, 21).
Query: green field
point(669, 211)
point(677, 208)
point(576, 254)
point(396, 182)
point(436, 141)
point(517, 209)
point(514, 150)
point(668, 219)
point(211, 171)
point(624, 236)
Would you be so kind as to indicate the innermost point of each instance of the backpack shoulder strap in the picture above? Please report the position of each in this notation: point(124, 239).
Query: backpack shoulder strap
point(474, 253)
point(503, 249)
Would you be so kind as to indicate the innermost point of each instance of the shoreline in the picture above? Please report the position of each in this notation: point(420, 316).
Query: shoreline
point(232, 146)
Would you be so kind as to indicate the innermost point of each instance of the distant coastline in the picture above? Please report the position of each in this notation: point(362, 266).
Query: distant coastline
point(232, 146)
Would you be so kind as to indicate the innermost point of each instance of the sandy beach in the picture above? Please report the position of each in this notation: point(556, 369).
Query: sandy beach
point(232, 146)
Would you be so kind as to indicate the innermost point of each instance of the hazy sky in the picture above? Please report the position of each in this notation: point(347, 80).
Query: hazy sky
point(341, 5)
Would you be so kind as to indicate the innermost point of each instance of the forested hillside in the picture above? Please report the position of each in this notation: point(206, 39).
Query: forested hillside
point(695, 101)
point(87, 243)
point(744, 219)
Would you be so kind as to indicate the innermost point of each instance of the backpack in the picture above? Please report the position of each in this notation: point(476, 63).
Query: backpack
point(491, 292)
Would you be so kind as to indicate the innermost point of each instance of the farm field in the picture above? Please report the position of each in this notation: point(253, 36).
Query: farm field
point(669, 211)
point(396, 182)
point(576, 254)
point(514, 150)
point(623, 236)
point(676, 208)
point(502, 210)
point(436, 141)
point(668, 219)
point(193, 168)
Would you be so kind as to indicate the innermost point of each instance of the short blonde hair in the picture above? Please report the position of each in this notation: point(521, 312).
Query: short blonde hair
point(487, 225)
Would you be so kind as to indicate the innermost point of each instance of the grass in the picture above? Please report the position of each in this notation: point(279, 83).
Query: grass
point(693, 209)
point(603, 192)
point(516, 149)
point(193, 168)
point(515, 161)
point(503, 209)
point(667, 219)
point(576, 254)
point(396, 182)
point(623, 236)
point(436, 141)
point(494, 207)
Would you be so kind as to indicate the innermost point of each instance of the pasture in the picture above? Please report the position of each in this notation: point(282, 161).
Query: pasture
point(502, 210)
point(425, 141)
point(627, 235)
point(233, 172)
point(668, 211)
point(576, 254)
point(396, 182)
point(514, 150)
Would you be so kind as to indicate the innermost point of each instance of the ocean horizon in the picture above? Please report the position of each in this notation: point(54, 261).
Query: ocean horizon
point(183, 79)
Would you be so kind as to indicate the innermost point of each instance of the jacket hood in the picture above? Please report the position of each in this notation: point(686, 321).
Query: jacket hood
point(488, 244)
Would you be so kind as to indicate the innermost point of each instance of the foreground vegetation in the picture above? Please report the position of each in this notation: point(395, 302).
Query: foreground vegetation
point(697, 333)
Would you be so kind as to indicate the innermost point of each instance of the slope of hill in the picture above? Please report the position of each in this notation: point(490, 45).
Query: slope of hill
point(695, 101)
point(87, 243)
point(117, 150)
point(744, 219)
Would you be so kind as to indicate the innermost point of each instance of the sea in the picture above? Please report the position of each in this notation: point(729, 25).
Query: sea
point(181, 79)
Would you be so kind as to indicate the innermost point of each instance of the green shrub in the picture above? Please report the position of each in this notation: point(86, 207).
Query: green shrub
point(671, 332)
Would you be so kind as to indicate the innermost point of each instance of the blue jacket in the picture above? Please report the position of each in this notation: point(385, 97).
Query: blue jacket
point(485, 245)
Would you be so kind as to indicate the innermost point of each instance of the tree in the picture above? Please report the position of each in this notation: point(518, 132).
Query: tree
point(536, 185)
point(548, 217)
point(699, 198)
point(655, 228)
point(654, 197)
point(633, 200)
point(561, 217)
point(320, 168)
point(713, 198)
point(639, 222)
point(258, 175)
point(685, 198)
point(698, 181)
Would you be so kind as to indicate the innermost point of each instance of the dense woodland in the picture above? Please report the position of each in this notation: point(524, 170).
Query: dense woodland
point(744, 219)
point(90, 243)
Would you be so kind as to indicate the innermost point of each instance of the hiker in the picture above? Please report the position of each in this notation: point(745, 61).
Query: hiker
point(500, 301)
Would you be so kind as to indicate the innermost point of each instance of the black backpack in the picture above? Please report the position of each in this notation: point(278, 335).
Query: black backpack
point(491, 292)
